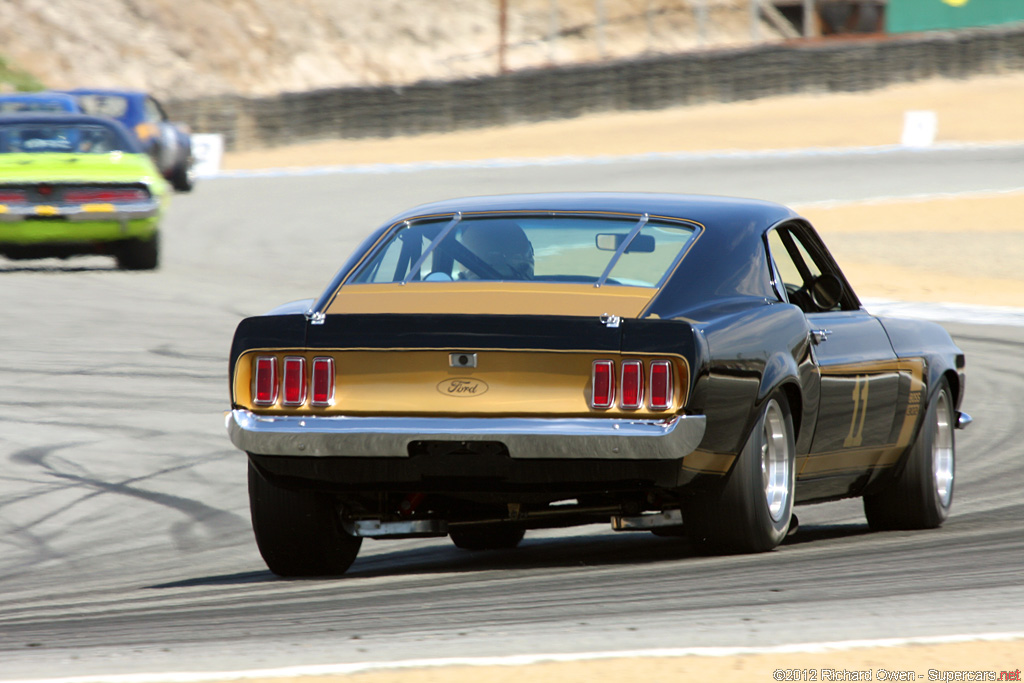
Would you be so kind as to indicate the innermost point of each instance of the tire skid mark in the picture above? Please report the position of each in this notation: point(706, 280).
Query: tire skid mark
point(987, 480)
point(36, 457)
point(129, 431)
point(168, 351)
point(220, 522)
point(120, 371)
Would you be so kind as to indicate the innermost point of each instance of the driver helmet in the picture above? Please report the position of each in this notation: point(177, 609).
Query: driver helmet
point(503, 246)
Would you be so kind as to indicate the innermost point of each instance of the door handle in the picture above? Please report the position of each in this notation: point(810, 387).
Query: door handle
point(820, 335)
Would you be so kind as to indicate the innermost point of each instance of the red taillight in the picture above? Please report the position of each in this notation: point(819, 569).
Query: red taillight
point(661, 385)
point(632, 384)
point(323, 381)
point(264, 381)
point(100, 194)
point(294, 381)
point(12, 197)
point(604, 384)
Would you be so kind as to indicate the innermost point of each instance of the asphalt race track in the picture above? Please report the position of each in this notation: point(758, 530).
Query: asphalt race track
point(125, 543)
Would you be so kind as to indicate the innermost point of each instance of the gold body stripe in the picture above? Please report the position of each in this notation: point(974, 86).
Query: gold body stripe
point(707, 462)
point(855, 460)
point(851, 460)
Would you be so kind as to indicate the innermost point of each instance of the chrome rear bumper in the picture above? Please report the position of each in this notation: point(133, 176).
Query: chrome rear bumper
point(525, 438)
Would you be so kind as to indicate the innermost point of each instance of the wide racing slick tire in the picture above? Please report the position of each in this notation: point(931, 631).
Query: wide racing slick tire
point(921, 494)
point(139, 254)
point(487, 537)
point(182, 178)
point(298, 532)
point(752, 512)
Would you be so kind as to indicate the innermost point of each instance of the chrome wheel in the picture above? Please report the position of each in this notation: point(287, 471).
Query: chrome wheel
point(775, 462)
point(943, 459)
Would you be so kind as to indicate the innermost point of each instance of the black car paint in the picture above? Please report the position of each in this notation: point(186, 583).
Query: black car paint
point(719, 309)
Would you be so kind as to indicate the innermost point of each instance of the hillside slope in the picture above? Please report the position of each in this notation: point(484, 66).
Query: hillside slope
point(185, 48)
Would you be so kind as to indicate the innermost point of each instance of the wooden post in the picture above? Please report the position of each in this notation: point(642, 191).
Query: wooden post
point(810, 19)
point(502, 34)
point(552, 29)
point(702, 21)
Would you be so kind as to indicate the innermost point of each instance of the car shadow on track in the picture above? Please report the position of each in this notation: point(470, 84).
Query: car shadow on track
point(442, 558)
point(823, 532)
point(604, 550)
point(594, 550)
point(220, 580)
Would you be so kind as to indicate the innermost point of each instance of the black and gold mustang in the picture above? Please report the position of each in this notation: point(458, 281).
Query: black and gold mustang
point(677, 364)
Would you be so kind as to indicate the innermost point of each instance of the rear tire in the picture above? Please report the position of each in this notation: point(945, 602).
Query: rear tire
point(298, 532)
point(921, 495)
point(182, 179)
point(487, 537)
point(140, 254)
point(753, 510)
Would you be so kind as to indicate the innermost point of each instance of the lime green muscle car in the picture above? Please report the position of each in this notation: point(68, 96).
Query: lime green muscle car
point(72, 184)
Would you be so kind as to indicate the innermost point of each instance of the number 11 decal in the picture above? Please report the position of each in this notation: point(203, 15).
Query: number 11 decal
point(860, 406)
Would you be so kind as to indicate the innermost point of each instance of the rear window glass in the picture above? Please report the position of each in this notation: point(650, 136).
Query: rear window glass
point(77, 139)
point(610, 250)
point(114, 106)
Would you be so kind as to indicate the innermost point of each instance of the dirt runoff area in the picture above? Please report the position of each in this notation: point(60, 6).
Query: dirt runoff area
point(946, 662)
point(983, 270)
point(989, 109)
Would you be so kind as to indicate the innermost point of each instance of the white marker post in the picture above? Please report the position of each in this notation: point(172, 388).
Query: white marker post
point(207, 150)
point(919, 128)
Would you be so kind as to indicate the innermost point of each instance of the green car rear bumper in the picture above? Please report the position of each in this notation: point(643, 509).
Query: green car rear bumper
point(77, 227)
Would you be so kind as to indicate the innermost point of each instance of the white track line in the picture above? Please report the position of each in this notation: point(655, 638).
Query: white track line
point(946, 312)
point(414, 167)
point(908, 198)
point(523, 660)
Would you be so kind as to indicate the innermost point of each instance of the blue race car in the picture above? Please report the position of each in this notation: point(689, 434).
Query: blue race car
point(169, 144)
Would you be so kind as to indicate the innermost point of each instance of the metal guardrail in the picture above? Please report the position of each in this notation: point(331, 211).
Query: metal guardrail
point(828, 65)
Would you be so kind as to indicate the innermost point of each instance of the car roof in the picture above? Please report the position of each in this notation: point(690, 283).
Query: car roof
point(105, 91)
point(34, 96)
point(703, 209)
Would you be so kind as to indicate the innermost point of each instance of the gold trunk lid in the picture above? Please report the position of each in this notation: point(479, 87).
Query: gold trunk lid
point(436, 382)
point(484, 298)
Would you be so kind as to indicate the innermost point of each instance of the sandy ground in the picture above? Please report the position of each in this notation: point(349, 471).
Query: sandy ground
point(917, 662)
point(987, 109)
point(984, 109)
point(977, 110)
point(982, 267)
